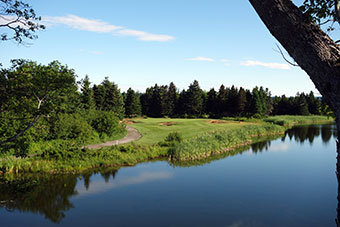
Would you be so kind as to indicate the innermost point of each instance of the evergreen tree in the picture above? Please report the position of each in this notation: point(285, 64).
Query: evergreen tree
point(164, 95)
point(87, 94)
point(194, 104)
point(132, 104)
point(211, 106)
point(314, 104)
point(156, 102)
point(301, 106)
point(181, 104)
point(98, 95)
point(232, 101)
point(249, 106)
point(172, 99)
point(113, 100)
point(146, 101)
point(241, 102)
point(222, 99)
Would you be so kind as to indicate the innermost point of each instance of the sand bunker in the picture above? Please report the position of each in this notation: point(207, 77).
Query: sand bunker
point(217, 122)
point(170, 123)
point(128, 122)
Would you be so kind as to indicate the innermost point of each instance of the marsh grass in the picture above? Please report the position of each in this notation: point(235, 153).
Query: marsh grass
point(79, 161)
point(290, 120)
point(218, 142)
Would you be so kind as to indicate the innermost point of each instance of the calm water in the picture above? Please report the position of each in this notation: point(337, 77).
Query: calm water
point(290, 181)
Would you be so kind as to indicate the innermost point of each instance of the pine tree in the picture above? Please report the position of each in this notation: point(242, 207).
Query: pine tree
point(232, 101)
point(165, 110)
point(173, 97)
point(145, 100)
point(301, 105)
point(98, 95)
point(222, 99)
point(241, 102)
point(132, 104)
point(181, 104)
point(314, 104)
point(87, 96)
point(113, 100)
point(156, 102)
point(211, 106)
point(194, 102)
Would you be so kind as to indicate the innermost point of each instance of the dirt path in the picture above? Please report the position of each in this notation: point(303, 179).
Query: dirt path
point(132, 135)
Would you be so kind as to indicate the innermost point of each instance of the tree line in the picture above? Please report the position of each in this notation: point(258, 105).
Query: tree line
point(44, 104)
point(168, 100)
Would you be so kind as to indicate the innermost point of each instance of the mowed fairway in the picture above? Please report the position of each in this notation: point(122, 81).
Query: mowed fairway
point(154, 130)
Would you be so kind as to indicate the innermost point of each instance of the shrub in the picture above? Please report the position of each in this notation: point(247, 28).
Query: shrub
point(55, 149)
point(72, 126)
point(173, 137)
point(106, 123)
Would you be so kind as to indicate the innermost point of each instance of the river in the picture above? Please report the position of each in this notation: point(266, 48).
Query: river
point(287, 181)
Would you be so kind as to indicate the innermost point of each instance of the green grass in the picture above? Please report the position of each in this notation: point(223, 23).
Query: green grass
point(153, 130)
point(289, 120)
point(201, 139)
point(126, 155)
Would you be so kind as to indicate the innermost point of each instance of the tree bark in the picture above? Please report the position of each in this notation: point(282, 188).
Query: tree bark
point(314, 51)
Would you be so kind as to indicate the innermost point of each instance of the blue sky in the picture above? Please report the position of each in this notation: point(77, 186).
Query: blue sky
point(139, 43)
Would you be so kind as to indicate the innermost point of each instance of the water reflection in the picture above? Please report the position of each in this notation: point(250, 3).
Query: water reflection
point(47, 195)
point(50, 196)
point(143, 177)
point(307, 133)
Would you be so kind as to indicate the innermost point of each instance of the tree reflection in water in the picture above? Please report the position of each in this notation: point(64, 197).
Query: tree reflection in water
point(47, 195)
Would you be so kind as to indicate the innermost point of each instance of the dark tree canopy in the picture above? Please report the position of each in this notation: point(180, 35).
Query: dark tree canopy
point(20, 18)
point(132, 104)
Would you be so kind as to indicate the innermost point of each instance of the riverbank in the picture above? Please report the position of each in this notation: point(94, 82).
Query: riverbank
point(196, 139)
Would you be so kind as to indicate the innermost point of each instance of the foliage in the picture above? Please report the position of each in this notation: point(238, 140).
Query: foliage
point(174, 137)
point(132, 104)
point(107, 97)
point(87, 96)
point(21, 18)
point(320, 11)
point(105, 123)
point(72, 127)
point(29, 92)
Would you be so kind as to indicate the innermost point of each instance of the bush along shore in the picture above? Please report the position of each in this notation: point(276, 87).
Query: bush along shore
point(222, 140)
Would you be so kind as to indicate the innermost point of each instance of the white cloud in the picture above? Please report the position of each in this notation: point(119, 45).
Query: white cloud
point(200, 59)
point(145, 36)
point(83, 24)
point(266, 64)
point(99, 26)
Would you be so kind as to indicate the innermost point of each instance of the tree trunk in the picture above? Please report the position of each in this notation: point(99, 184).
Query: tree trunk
point(307, 44)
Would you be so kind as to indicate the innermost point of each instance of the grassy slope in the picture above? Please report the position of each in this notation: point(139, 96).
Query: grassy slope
point(153, 132)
